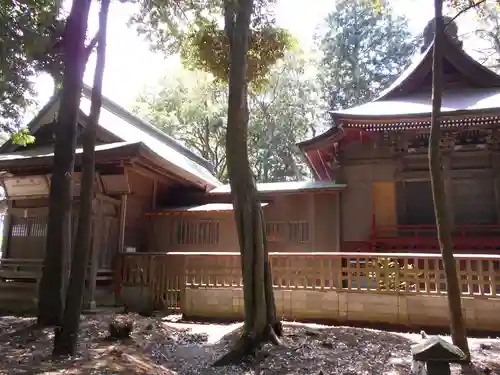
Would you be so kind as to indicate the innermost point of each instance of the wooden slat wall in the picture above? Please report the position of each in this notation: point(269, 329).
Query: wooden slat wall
point(480, 195)
point(138, 203)
point(27, 237)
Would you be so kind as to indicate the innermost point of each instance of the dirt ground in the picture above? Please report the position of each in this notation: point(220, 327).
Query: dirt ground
point(160, 346)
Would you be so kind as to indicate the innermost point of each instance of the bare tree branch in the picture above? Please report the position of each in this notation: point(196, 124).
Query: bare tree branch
point(471, 5)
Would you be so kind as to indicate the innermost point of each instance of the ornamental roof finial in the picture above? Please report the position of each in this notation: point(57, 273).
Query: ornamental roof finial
point(451, 31)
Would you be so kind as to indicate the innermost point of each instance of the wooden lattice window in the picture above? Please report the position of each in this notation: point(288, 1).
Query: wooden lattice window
point(203, 232)
point(29, 227)
point(38, 227)
point(19, 230)
point(275, 231)
point(298, 231)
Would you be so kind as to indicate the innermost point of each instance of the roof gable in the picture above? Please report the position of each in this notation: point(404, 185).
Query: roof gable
point(459, 68)
point(117, 124)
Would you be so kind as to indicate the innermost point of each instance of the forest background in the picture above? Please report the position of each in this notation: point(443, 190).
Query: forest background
point(294, 104)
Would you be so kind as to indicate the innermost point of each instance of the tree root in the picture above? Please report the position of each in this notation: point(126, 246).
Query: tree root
point(273, 337)
point(246, 346)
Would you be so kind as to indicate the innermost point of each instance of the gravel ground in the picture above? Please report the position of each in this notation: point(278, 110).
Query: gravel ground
point(159, 346)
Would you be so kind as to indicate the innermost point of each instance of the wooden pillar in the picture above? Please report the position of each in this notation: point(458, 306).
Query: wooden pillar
point(4, 250)
point(97, 225)
point(495, 166)
point(448, 187)
point(312, 221)
point(339, 222)
point(123, 219)
point(155, 193)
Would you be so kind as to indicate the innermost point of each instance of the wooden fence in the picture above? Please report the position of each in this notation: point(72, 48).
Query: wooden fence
point(373, 287)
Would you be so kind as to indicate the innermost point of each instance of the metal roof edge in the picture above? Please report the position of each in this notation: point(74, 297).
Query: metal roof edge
point(132, 147)
point(334, 186)
point(179, 171)
point(345, 117)
point(309, 143)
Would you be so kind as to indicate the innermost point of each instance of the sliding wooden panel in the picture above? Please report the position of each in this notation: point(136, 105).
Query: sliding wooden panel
point(474, 201)
point(384, 203)
point(419, 204)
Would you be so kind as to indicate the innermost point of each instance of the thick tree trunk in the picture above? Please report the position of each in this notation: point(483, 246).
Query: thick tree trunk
point(458, 331)
point(58, 244)
point(65, 339)
point(261, 323)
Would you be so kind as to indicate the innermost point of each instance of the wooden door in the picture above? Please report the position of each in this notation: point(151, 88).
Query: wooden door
point(27, 237)
point(419, 204)
point(474, 201)
point(108, 242)
point(384, 203)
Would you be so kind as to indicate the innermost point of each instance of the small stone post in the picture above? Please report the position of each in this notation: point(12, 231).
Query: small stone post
point(437, 354)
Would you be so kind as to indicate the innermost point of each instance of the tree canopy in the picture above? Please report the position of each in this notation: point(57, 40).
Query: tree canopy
point(30, 35)
point(363, 51)
point(206, 47)
point(489, 31)
point(192, 107)
point(289, 109)
point(194, 28)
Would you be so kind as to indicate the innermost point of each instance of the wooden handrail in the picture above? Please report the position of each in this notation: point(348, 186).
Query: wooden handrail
point(168, 274)
point(318, 254)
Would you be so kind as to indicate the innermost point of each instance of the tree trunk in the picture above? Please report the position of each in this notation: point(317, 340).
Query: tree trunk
point(58, 244)
point(65, 339)
point(458, 331)
point(261, 323)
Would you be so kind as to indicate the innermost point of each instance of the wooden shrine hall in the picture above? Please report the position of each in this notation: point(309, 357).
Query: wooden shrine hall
point(379, 150)
point(138, 168)
point(157, 202)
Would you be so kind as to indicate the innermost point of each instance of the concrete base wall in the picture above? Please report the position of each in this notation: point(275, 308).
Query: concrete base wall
point(372, 307)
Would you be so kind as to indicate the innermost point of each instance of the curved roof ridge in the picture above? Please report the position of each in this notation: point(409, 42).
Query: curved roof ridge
point(455, 55)
point(414, 66)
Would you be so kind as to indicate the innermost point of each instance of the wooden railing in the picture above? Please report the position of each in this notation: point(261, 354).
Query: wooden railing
point(161, 273)
point(465, 237)
point(395, 273)
point(459, 231)
point(31, 270)
point(20, 269)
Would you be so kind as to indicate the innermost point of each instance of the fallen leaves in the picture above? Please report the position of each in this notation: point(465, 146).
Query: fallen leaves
point(161, 347)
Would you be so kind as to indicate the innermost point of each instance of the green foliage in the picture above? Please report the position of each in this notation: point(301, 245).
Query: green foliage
point(287, 110)
point(390, 275)
point(192, 106)
point(165, 22)
point(22, 137)
point(363, 50)
point(192, 27)
point(489, 31)
point(207, 48)
point(29, 36)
